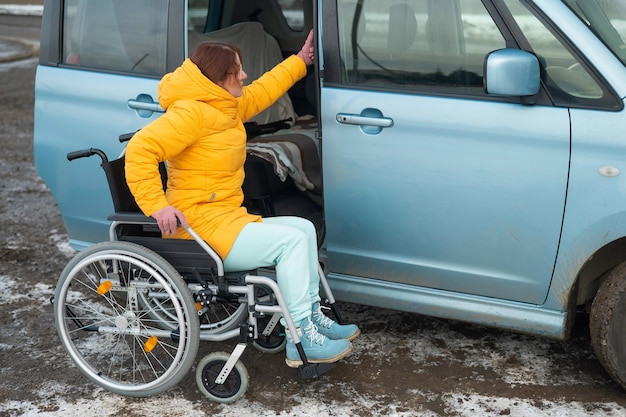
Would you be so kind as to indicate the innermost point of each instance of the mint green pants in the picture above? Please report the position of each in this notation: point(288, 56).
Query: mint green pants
point(289, 244)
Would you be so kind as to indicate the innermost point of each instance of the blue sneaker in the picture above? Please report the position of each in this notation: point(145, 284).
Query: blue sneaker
point(317, 347)
point(330, 328)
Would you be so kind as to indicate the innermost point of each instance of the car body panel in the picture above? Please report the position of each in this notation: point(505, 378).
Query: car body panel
point(67, 119)
point(447, 205)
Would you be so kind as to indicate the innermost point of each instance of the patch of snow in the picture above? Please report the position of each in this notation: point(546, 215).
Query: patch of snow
point(476, 405)
point(107, 404)
point(22, 9)
point(62, 242)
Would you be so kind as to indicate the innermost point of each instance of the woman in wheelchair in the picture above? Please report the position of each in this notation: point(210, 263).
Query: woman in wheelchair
point(203, 140)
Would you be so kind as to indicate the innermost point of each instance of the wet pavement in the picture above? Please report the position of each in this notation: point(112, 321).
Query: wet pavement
point(11, 50)
point(18, 40)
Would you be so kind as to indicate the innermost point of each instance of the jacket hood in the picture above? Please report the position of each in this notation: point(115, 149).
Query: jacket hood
point(188, 83)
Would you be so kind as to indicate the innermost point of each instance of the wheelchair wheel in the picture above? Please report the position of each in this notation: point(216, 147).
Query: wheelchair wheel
point(112, 338)
point(233, 388)
point(218, 317)
point(221, 317)
point(273, 342)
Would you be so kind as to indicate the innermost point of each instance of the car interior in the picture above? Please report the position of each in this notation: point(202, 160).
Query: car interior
point(283, 168)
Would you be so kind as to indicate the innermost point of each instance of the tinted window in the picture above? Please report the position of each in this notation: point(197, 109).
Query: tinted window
point(567, 78)
point(417, 44)
point(293, 13)
point(116, 35)
point(197, 15)
point(607, 19)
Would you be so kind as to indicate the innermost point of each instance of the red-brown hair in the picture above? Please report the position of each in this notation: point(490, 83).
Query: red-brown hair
point(216, 60)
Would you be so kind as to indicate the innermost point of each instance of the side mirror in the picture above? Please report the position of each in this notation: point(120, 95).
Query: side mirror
point(511, 72)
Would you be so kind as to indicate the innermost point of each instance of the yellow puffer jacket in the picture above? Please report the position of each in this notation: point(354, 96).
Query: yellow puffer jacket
point(202, 138)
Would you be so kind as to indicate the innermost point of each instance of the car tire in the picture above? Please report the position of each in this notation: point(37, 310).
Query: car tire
point(607, 324)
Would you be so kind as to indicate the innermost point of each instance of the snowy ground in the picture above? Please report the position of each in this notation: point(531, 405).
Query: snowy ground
point(426, 361)
point(22, 10)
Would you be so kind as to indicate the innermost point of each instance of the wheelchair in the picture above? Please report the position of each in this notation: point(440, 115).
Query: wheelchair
point(131, 311)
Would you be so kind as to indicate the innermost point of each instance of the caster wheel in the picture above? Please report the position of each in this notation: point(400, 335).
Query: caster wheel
point(233, 388)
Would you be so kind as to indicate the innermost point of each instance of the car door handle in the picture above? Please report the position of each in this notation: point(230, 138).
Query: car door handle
point(356, 119)
point(144, 105)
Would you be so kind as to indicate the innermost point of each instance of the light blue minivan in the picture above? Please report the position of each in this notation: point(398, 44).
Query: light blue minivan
point(470, 150)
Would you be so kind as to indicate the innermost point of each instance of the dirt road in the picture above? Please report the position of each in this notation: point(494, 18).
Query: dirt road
point(402, 365)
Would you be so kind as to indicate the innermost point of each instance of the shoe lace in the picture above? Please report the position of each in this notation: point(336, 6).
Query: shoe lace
point(323, 320)
point(313, 335)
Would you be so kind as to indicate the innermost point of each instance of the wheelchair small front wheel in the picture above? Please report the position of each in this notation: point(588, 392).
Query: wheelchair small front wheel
point(233, 388)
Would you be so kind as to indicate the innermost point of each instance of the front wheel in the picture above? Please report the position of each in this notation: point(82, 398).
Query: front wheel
point(233, 388)
point(607, 324)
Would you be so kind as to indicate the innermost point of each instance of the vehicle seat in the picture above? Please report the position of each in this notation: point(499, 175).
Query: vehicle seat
point(259, 53)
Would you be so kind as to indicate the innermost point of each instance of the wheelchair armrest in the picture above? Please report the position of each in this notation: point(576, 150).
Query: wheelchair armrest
point(134, 223)
point(133, 218)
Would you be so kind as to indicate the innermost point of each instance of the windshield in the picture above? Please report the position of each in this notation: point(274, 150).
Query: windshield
point(607, 19)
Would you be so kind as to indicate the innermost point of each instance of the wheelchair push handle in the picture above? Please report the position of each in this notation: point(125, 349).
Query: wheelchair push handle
point(85, 153)
point(126, 137)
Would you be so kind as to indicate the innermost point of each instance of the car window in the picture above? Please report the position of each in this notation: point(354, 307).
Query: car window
point(568, 81)
point(116, 35)
point(200, 21)
point(417, 44)
point(293, 13)
point(607, 19)
point(197, 15)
